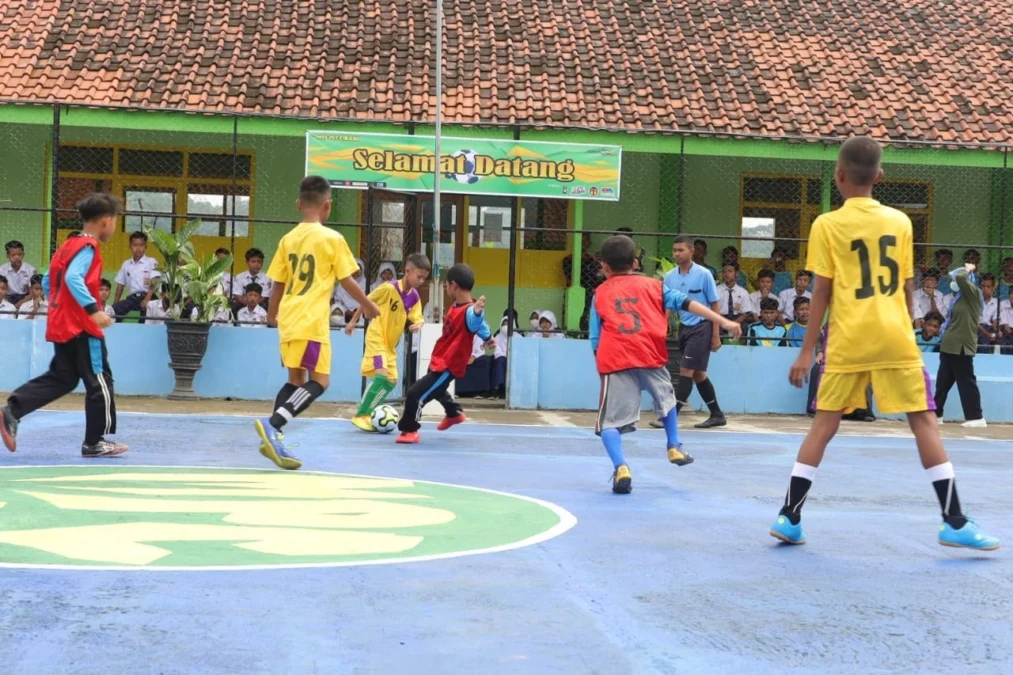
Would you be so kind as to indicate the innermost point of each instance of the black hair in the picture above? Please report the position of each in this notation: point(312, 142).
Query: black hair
point(804, 273)
point(768, 303)
point(988, 276)
point(778, 249)
point(12, 244)
point(419, 261)
point(3, 279)
point(254, 287)
point(99, 205)
point(934, 316)
point(510, 312)
point(800, 300)
point(859, 159)
point(933, 273)
point(624, 230)
point(618, 253)
point(254, 253)
point(968, 252)
point(944, 251)
point(105, 283)
point(731, 264)
point(462, 275)
point(314, 190)
point(766, 274)
point(221, 251)
point(701, 242)
point(36, 279)
point(138, 235)
point(682, 239)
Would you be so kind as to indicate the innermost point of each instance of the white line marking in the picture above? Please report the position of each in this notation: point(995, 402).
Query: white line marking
point(555, 420)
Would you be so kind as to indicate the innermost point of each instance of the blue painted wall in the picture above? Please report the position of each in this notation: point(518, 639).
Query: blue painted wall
point(561, 374)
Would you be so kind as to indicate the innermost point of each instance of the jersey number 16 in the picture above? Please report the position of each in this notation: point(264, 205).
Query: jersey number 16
point(888, 284)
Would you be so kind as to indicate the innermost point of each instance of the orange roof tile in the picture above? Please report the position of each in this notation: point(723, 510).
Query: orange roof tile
point(911, 69)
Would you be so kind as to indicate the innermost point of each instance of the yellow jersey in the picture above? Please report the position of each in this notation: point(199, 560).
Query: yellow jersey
point(867, 250)
point(309, 261)
point(396, 307)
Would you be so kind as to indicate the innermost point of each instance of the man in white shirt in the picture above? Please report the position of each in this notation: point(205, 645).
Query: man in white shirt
point(34, 306)
point(135, 276)
point(252, 315)
point(7, 310)
point(1006, 325)
point(18, 273)
point(765, 289)
point(252, 275)
point(988, 321)
point(786, 299)
point(734, 302)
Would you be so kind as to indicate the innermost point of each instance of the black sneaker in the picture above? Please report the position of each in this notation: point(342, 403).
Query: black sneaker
point(712, 421)
point(103, 448)
point(8, 428)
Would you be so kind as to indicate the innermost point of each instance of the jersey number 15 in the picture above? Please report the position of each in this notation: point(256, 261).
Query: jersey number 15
point(888, 284)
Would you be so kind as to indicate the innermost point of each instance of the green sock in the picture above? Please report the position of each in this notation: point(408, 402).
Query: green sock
point(376, 393)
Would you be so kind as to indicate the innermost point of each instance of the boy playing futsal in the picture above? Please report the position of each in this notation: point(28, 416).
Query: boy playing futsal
point(862, 255)
point(309, 261)
point(399, 302)
point(628, 328)
point(450, 356)
point(74, 326)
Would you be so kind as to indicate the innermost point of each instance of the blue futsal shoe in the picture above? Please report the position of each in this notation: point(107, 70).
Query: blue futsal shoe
point(969, 536)
point(790, 534)
point(273, 446)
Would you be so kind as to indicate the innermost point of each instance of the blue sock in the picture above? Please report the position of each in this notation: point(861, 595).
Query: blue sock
point(613, 441)
point(671, 422)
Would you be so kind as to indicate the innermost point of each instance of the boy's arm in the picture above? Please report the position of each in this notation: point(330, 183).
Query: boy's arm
point(274, 302)
point(819, 304)
point(415, 318)
point(121, 281)
point(475, 320)
point(675, 300)
point(909, 297)
point(353, 322)
point(366, 306)
point(76, 273)
point(594, 328)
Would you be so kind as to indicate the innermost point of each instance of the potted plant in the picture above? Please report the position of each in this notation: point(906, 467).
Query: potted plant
point(186, 277)
point(664, 266)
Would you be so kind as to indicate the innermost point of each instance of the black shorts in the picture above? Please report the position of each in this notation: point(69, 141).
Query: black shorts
point(695, 345)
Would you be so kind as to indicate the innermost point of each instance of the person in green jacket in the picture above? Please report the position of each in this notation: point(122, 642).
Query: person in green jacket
point(958, 346)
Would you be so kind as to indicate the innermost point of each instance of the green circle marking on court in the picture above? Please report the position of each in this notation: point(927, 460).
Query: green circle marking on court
point(199, 518)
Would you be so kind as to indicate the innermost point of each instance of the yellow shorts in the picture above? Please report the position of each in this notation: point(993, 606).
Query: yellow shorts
point(308, 355)
point(374, 362)
point(897, 390)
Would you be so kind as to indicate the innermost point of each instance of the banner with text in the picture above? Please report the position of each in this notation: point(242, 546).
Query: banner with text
point(468, 165)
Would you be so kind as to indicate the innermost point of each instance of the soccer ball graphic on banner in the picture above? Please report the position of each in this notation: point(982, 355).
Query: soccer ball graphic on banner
point(385, 419)
point(469, 177)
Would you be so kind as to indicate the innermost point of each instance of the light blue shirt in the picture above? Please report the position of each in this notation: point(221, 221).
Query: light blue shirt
point(476, 323)
point(674, 300)
point(698, 285)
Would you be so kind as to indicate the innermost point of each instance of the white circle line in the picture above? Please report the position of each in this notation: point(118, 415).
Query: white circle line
point(566, 522)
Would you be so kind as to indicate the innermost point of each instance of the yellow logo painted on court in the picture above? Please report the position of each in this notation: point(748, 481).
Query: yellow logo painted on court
point(212, 518)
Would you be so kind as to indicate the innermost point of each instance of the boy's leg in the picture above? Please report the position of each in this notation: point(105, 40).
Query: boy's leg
point(59, 381)
point(453, 413)
point(383, 369)
point(814, 384)
point(658, 383)
point(300, 398)
point(967, 386)
point(99, 401)
point(424, 390)
point(614, 414)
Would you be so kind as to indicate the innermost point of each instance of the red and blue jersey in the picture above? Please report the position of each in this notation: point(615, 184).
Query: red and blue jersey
point(453, 350)
point(72, 284)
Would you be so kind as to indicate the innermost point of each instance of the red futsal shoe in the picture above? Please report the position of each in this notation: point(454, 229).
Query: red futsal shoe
point(408, 437)
point(448, 422)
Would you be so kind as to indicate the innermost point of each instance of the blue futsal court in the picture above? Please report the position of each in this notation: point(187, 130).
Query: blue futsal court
point(679, 576)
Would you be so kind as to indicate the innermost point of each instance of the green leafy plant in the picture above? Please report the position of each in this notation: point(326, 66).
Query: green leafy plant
point(184, 276)
point(664, 267)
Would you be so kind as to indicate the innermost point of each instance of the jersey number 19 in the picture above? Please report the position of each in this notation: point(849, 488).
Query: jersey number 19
point(303, 268)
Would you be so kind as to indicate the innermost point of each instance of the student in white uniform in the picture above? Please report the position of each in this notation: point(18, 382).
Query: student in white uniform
point(156, 309)
point(253, 275)
point(17, 272)
point(929, 299)
point(733, 300)
point(135, 277)
point(343, 305)
point(786, 299)
point(226, 285)
point(988, 321)
point(7, 310)
point(105, 290)
point(34, 306)
point(253, 315)
point(497, 380)
point(765, 289)
point(1006, 324)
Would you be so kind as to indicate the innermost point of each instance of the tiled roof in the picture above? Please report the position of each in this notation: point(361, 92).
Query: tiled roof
point(914, 69)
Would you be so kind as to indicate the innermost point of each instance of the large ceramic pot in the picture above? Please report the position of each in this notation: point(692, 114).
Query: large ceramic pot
point(188, 342)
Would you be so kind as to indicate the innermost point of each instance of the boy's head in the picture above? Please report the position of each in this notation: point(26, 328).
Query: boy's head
point(858, 165)
point(221, 253)
point(105, 288)
point(768, 312)
point(617, 255)
point(987, 285)
point(36, 286)
point(545, 324)
point(777, 257)
point(802, 280)
point(699, 250)
point(253, 295)
point(99, 212)
point(3, 288)
point(931, 324)
point(314, 199)
point(138, 244)
point(682, 250)
point(930, 280)
point(460, 282)
point(802, 311)
point(972, 256)
point(765, 281)
point(254, 261)
point(387, 272)
point(730, 273)
point(944, 259)
point(416, 270)
point(15, 253)
point(1007, 267)
point(729, 254)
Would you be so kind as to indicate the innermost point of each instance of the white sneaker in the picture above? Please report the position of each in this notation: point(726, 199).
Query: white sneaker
point(939, 421)
point(975, 424)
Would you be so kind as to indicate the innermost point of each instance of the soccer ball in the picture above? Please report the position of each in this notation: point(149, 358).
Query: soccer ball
point(469, 177)
point(385, 419)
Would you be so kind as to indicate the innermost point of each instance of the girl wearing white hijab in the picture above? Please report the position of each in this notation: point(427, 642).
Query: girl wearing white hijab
point(546, 323)
point(387, 273)
point(343, 305)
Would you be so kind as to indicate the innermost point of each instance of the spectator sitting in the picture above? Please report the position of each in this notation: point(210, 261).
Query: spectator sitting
point(988, 320)
point(34, 306)
point(546, 324)
point(253, 315)
point(17, 272)
point(343, 305)
point(105, 291)
point(767, 332)
point(533, 319)
point(796, 330)
point(733, 300)
point(944, 259)
point(700, 256)
point(156, 310)
point(497, 381)
point(782, 275)
point(7, 310)
point(1007, 279)
point(252, 275)
point(730, 256)
point(226, 285)
point(928, 335)
point(386, 274)
point(929, 299)
point(787, 298)
point(1006, 325)
point(765, 289)
point(475, 383)
point(135, 277)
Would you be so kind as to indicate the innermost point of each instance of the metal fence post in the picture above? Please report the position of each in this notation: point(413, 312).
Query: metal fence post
point(516, 212)
point(54, 213)
point(235, 170)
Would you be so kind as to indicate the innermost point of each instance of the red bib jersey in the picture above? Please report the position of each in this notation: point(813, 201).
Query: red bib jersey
point(631, 311)
point(67, 319)
point(453, 350)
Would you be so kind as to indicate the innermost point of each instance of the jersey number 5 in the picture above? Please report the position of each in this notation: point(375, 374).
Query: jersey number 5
point(632, 313)
point(304, 268)
point(887, 284)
